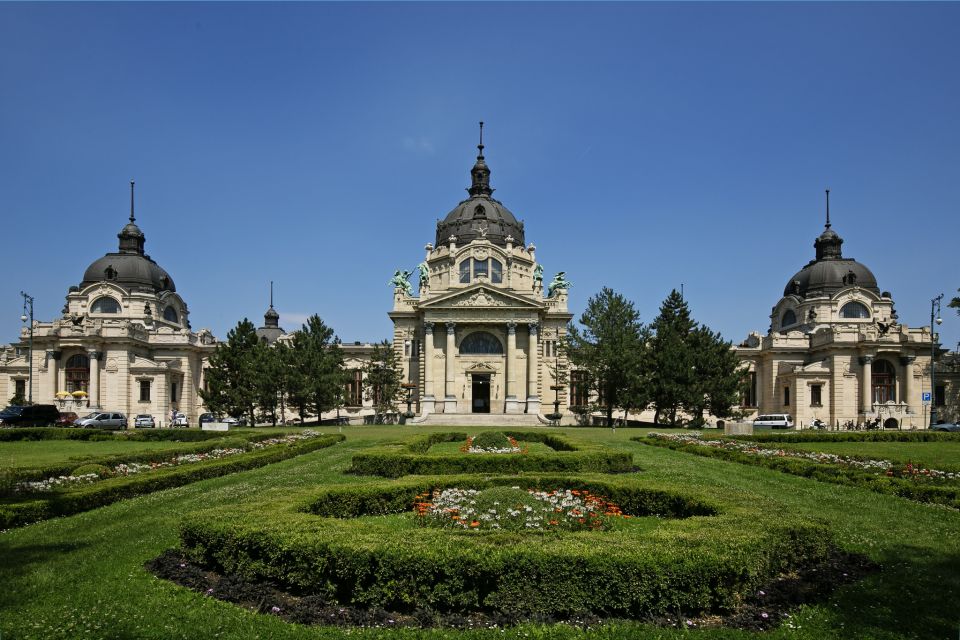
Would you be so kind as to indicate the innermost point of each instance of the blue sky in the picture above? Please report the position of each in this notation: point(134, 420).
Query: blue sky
point(643, 145)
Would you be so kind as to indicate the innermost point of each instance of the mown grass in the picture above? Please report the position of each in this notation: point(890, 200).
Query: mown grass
point(83, 576)
point(19, 455)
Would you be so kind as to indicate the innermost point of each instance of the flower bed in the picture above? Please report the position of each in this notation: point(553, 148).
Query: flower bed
point(361, 546)
point(516, 509)
point(414, 457)
point(492, 442)
point(883, 476)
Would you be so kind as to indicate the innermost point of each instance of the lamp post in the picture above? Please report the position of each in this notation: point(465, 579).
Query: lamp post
point(28, 306)
point(934, 317)
point(409, 386)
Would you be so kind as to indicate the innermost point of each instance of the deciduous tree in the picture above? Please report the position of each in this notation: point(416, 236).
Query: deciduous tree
point(382, 379)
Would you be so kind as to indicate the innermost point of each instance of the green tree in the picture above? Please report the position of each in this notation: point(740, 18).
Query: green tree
point(270, 379)
point(611, 348)
point(316, 368)
point(231, 379)
point(671, 359)
point(383, 376)
point(718, 376)
point(18, 400)
point(955, 303)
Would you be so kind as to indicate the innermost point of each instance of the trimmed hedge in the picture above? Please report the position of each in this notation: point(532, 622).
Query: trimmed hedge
point(645, 568)
point(850, 436)
point(104, 492)
point(74, 433)
point(414, 458)
point(948, 495)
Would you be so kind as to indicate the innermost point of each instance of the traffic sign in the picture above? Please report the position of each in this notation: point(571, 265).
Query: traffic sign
point(926, 397)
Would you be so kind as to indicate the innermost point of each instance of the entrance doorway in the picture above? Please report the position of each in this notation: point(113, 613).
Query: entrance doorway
point(481, 393)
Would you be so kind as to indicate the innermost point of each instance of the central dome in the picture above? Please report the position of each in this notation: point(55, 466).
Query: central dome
point(480, 216)
point(830, 271)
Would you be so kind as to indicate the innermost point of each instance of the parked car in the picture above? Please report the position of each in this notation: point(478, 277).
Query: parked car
point(774, 421)
point(179, 420)
point(67, 418)
point(144, 421)
point(947, 426)
point(34, 415)
point(103, 420)
point(207, 418)
point(235, 422)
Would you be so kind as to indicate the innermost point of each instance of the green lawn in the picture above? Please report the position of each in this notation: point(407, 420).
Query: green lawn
point(934, 455)
point(83, 576)
point(37, 453)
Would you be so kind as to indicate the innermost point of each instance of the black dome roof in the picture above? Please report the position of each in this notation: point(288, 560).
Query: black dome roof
point(830, 271)
point(129, 267)
point(480, 215)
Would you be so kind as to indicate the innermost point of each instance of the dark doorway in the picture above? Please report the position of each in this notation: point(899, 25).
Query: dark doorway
point(481, 394)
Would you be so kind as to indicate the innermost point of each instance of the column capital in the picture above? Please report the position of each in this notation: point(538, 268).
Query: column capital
point(905, 360)
point(50, 354)
point(428, 328)
point(533, 328)
point(93, 354)
point(451, 328)
point(866, 359)
point(511, 328)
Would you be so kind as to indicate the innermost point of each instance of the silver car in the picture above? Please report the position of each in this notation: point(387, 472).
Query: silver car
point(103, 420)
point(144, 421)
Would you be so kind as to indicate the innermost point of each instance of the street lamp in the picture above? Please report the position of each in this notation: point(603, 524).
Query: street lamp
point(934, 313)
point(28, 306)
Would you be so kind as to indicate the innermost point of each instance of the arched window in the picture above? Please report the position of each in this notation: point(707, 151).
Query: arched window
point(170, 315)
point(77, 372)
point(884, 382)
point(854, 310)
point(105, 304)
point(788, 318)
point(481, 343)
point(465, 271)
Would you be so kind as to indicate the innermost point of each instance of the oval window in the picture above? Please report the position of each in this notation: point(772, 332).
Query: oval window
point(105, 305)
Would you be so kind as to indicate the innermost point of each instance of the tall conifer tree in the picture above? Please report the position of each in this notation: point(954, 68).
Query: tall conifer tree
point(231, 378)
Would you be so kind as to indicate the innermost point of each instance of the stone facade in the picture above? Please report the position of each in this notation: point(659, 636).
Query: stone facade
point(123, 343)
point(481, 335)
point(835, 352)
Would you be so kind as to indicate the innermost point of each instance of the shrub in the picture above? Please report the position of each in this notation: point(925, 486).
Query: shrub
point(98, 469)
point(491, 440)
point(646, 568)
point(850, 436)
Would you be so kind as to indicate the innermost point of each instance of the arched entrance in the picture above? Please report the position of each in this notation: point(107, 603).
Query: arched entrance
point(884, 381)
point(890, 423)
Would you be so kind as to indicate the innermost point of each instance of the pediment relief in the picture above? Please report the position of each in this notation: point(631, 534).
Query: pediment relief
point(481, 368)
point(480, 297)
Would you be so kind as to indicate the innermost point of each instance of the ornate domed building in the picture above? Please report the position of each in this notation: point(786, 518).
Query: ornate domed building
point(123, 343)
point(481, 336)
point(835, 350)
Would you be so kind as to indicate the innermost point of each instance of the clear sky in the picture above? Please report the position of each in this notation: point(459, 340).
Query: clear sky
point(643, 145)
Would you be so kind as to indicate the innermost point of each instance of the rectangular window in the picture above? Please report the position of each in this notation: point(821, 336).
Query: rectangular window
point(816, 395)
point(786, 396)
point(749, 397)
point(415, 349)
point(354, 389)
point(174, 392)
point(496, 271)
point(479, 268)
point(549, 348)
point(144, 391)
point(20, 388)
point(579, 389)
point(465, 271)
point(940, 397)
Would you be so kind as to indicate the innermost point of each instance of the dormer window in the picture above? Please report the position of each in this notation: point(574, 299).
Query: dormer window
point(105, 304)
point(170, 315)
point(788, 318)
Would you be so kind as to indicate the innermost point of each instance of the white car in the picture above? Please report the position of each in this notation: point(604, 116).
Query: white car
point(144, 421)
point(179, 420)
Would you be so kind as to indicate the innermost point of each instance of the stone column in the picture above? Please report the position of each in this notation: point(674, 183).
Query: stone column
point(906, 396)
point(866, 384)
point(94, 390)
point(428, 399)
point(53, 358)
point(533, 371)
point(450, 390)
point(511, 404)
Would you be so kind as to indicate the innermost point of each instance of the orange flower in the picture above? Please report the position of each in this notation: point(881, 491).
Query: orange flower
point(474, 524)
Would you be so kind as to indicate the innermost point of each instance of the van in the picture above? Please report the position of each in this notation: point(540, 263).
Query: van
point(774, 421)
point(31, 415)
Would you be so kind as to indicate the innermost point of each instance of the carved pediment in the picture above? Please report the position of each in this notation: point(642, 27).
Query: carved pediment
point(481, 368)
point(480, 296)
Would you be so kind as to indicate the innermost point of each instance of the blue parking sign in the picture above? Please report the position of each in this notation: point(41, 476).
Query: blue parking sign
point(926, 396)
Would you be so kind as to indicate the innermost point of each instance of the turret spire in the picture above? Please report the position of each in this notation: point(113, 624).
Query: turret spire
point(828, 208)
point(480, 174)
point(132, 219)
point(271, 294)
point(828, 244)
point(480, 146)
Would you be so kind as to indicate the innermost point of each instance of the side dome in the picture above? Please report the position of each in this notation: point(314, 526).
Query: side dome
point(129, 267)
point(480, 215)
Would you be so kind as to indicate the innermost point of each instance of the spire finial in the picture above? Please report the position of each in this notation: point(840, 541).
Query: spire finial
point(131, 202)
point(828, 208)
point(480, 146)
point(271, 294)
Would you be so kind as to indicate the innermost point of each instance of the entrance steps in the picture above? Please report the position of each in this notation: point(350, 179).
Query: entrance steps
point(482, 419)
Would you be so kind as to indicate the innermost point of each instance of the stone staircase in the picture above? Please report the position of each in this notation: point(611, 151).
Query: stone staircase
point(482, 420)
